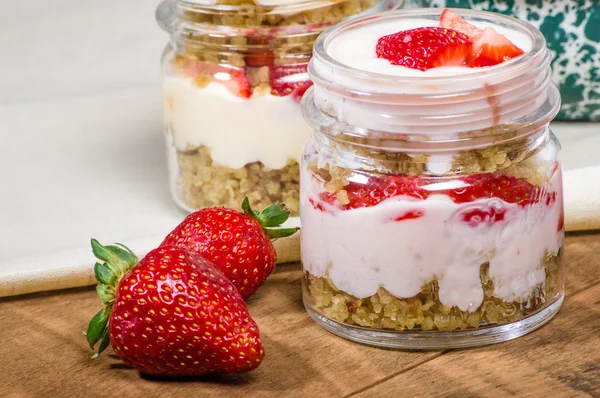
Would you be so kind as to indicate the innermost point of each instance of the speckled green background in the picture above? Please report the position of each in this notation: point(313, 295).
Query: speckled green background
point(572, 29)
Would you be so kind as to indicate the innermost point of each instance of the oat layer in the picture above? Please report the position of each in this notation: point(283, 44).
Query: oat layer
point(425, 311)
point(204, 183)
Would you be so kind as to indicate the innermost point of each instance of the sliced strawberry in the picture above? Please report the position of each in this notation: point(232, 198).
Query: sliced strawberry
point(410, 215)
point(450, 20)
point(375, 191)
point(289, 80)
point(257, 57)
point(561, 223)
point(492, 48)
point(476, 217)
point(233, 78)
point(509, 189)
point(425, 48)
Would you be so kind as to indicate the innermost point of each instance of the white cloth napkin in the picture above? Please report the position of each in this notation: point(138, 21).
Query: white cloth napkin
point(582, 198)
point(73, 268)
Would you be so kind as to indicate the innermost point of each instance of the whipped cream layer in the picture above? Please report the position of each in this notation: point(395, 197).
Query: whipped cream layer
point(363, 249)
point(359, 89)
point(264, 128)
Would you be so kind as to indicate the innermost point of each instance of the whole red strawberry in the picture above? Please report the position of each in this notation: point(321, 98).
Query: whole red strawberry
point(174, 313)
point(425, 48)
point(239, 244)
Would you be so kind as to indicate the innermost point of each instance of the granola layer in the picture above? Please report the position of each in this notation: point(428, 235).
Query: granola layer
point(425, 311)
point(203, 183)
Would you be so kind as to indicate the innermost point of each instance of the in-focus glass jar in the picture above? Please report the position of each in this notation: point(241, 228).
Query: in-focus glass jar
point(234, 73)
point(431, 204)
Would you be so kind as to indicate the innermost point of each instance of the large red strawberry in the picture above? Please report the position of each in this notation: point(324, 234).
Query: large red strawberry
point(233, 78)
point(289, 80)
point(489, 47)
point(238, 243)
point(425, 48)
point(174, 313)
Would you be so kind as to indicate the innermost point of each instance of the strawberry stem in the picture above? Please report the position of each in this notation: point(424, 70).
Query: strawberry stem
point(273, 216)
point(117, 261)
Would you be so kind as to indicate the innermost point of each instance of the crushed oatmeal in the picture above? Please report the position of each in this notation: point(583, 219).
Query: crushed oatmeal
point(425, 311)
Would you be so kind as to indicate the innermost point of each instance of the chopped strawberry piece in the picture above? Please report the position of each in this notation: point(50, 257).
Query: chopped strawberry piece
point(561, 223)
point(289, 80)
point(257, 54)
point(492, 48)
point(425, 48)
point(509, 189)
point(410, 215)
point(450, 20)
point(375, 191)
point(476, 217)
point(233, 78)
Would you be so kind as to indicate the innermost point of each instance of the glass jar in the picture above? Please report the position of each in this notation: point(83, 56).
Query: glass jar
point(431, 204)
point(234, 73)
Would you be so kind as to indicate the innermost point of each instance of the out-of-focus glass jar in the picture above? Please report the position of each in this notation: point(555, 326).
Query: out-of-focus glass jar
point(431, 204)
point(234, 73)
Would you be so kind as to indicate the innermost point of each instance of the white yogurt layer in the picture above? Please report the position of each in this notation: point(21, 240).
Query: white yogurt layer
point(238, 131)
point(356, 47)
point(363, 249)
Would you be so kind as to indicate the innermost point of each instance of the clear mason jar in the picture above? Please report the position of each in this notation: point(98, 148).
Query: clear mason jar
point(431, 205)
point(234, 73)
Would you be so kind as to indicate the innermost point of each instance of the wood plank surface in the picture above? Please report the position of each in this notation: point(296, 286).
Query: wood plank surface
point(44, 353)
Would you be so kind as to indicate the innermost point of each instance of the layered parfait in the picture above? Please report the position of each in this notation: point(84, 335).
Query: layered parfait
point(439, 207)
point(233, 78)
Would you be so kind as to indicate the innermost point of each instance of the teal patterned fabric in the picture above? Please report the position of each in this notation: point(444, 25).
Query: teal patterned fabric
point(572, 29)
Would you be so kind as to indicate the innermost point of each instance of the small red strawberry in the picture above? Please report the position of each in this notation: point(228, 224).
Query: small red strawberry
point(233, 78)
point(289, 80)
point(425, 48)
point(450, 20)
point(492, 48)
point(174, 313)
point(239, 244)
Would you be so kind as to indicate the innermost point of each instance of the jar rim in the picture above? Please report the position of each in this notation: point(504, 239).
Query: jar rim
point(434, 108)
point(322, 56)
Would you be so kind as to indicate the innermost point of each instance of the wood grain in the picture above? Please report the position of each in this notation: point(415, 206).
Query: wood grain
point(44, 353)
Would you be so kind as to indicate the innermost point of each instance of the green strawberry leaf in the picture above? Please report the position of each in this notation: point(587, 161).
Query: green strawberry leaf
point(247, 209)
point(103, 344)
point(104, 274)
point(97, 327)
point(118, 260)
point(106, 293)
point(273, 216)
point(276, 233)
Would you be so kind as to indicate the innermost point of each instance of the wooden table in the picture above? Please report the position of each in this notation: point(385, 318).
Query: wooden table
point(44, 354)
